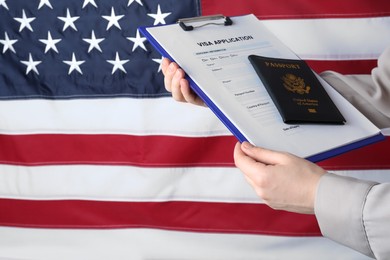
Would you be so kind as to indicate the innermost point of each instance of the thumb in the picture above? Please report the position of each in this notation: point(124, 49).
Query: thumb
point(262, 155)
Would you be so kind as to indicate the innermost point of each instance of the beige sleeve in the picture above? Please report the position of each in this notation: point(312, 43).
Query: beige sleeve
point(355, 213)
point(368, 93)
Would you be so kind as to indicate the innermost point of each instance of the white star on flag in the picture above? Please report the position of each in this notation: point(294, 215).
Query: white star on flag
point(118, 63)
point(159, 17)
point(74, 64)
point(138, 1)
point(24, 21)
point(159, 61)
point(113, 19)
point(69, 20)
point(93, 42)
point(92, 2)
point(138, 41)
point(7, 42)
point(4, 4)
point(31, 64)
point(44, 2)
point(50, 42)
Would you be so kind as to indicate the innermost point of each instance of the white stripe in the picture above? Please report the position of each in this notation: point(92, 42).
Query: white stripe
point(143, 244)
point(334, 39)
point(113, 116)
point(120, 183)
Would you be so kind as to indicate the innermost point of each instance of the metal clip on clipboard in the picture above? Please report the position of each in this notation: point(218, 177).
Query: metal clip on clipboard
point(210, 20)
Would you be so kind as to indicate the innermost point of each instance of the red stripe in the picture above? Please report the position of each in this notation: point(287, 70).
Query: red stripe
point(155, 151)
point(151, 151)
point(268, 9)
point(178, 215)
point(343, 66)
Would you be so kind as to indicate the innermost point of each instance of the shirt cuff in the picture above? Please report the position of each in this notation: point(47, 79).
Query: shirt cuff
point(339, 210)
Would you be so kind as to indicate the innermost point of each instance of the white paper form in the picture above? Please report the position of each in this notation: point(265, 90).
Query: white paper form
point(216, 60)
point(233, 70)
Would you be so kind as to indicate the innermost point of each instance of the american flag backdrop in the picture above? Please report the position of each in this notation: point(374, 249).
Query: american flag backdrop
point(97, 161)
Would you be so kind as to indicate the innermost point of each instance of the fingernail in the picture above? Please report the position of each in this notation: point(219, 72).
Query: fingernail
point(247, 145)
point(178, 74)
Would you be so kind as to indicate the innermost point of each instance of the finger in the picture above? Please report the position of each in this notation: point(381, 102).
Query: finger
point(263, 155)
point(169, 73)
point(176, 85)
point(255, 172)
point(245, 163)
point(189, 95)
point(164, 65)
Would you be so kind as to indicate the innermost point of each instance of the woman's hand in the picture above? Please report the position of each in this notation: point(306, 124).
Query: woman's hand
point(282, 180)
point(175, 83)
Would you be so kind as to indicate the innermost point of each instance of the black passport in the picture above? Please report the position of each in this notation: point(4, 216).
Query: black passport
point(296, 91)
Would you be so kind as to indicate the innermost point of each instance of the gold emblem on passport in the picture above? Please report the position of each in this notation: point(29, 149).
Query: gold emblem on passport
point(295, 84)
